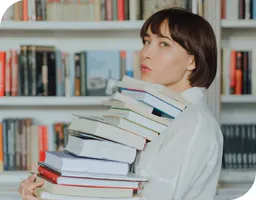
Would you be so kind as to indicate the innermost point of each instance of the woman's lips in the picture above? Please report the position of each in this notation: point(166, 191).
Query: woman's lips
point(145, 68)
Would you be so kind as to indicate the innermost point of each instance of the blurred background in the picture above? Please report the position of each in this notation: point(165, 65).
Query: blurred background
point(63, 57)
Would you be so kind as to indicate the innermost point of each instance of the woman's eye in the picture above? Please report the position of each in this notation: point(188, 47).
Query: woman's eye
point(145, 42)
point(164, 44)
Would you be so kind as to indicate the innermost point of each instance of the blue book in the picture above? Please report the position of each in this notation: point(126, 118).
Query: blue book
point(103, 67)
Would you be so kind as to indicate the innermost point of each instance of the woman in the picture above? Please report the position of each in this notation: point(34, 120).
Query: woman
point(179, 51)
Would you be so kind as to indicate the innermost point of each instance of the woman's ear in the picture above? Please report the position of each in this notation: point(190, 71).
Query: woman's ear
point(191, 63)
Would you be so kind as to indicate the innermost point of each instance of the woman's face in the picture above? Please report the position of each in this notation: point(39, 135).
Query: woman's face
point(165, 62)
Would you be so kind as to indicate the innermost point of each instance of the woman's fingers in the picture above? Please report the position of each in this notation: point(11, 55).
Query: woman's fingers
point(28, 197)
point(32, 186)
point(32, 178)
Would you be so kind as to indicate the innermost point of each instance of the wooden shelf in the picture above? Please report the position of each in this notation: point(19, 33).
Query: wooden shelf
point(52, 101)
point(238, 99)
point(71, 26)
point(238, 23)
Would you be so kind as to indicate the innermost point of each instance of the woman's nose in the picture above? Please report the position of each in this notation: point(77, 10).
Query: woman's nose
point(146, 53)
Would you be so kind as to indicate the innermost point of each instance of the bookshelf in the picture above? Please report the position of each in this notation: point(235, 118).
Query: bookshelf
point(238, 99)
point(75, 36)
point(52, 101)
point(71, 26)
point(237, 34)
point(250, 23)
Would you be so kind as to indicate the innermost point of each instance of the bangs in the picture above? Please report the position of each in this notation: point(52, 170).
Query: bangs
point(176, 23)
point(154, 22)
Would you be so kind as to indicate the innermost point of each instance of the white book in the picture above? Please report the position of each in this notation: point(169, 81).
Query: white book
point(66, 162)
point(137, 118)
point(88, 182)
point(131, 102)
point(84, 191)
point(129, 177)
point(44, 194)
point(102, 129)
point(136, 106)
point(100, 149)
point(232, 9)
point(155, 102)
point(136, 128)
point(156, 89)
point(150, 90)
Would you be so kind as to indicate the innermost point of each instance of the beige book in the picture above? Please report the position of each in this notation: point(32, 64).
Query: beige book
point(84, 191)
point(96, 7)
point(136, 128)
point(43, 194)
point(134, 10)
point(34, 153)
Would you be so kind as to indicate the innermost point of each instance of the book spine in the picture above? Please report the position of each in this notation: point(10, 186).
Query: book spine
point(77, 75)
point(8, 72)
point(2, 73)
point(48, 174)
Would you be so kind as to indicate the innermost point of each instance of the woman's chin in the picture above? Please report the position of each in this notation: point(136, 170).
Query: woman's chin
point(147, 78)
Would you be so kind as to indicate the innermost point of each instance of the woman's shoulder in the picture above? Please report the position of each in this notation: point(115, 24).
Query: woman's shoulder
point(199, 120)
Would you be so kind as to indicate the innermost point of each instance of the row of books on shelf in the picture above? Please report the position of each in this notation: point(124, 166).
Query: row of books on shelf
point(239, 146)
point(47, 71)
point(22, 142)
point(238, 69)
point(238, 9)
point(85, 10)
point(101, 150)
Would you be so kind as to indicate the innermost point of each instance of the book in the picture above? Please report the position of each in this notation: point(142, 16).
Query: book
point(128, 177)
point(121, 100)
point(64, 161)
point(131, 126)
point(102, 129)
point(155, 89)
point(137, 106)
point(156, 102)
point(53, 188)
point(100, 149)
point(44, 194)
point(137, 118)
point(88, 182)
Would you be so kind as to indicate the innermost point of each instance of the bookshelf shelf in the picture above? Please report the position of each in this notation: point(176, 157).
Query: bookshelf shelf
point(71, 26)
point(237, 176)
point(52, 101)
point(13, 176)
point(238, 23)
point(238, 99)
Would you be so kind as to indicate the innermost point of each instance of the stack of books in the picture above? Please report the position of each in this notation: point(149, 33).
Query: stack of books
point(97, 160)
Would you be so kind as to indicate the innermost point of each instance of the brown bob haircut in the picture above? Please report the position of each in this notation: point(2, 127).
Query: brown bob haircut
point(195, 35)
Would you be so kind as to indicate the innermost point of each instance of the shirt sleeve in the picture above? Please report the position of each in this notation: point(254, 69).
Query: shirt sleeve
point(185, 161)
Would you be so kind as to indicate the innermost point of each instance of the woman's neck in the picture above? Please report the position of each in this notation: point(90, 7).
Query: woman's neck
point(179, 87)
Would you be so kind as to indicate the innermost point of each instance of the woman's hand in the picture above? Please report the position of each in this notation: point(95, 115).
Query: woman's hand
point(27, 188)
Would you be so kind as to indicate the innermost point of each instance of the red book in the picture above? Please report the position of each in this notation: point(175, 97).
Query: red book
point(2, 72)
point(120, 10)
point(48, 174)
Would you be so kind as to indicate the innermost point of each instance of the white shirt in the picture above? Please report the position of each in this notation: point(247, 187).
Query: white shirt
point(184, 162)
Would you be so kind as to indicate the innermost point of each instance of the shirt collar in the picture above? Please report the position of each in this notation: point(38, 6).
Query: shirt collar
point(194, 94)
